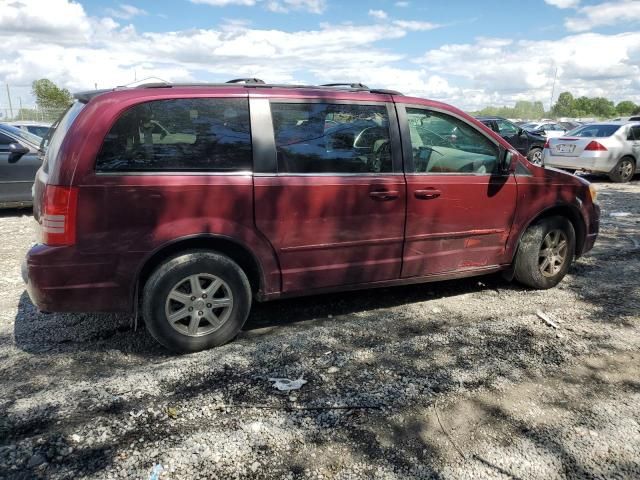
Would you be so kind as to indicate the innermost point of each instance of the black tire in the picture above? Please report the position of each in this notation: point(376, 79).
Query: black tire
point(535, 156)
point(624, 170)
point(203, 265)
point(529, 259)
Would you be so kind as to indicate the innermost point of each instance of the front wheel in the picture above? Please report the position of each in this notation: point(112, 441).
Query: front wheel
point(535, 156)
point(545, 253)
point(196, 300)
point(623, 171)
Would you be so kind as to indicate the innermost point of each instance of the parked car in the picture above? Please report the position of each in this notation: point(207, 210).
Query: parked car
point(612, 148)
point(267, 202)
point(19, 162)
point(635, 118)
point(568, 126)
point(545, 129)
point(37, 128)
point(527, 143)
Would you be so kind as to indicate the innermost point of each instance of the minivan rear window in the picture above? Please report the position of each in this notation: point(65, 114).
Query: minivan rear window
point(193, 134)
point(56, 135)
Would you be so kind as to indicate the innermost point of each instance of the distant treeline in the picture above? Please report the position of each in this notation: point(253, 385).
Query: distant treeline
point(566, 106)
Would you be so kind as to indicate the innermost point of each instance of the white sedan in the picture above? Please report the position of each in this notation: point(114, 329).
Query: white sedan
point(612, 148)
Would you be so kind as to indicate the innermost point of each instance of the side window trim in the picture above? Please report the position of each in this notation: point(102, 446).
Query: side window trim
point(265, 155)
point(407, 150)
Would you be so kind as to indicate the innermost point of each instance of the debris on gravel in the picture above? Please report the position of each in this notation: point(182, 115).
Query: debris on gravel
point(445, 380)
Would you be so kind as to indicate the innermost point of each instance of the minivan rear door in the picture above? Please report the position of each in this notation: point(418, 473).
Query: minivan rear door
point(329, 188)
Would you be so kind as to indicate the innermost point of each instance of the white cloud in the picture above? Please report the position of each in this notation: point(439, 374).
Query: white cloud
point(71, 48)
point(379, 14)
point(401, 4)
point(605, 14)
point(416, 25)
point(507, 71)
point(126, 12)
point(54, 20)
point(563, 3)
point(224, 3)
point(279, 6)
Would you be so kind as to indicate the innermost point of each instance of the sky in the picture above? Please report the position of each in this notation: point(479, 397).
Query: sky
point(470, 53)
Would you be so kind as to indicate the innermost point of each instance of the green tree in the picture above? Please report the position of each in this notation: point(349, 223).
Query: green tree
point(601, 107)
point(564, 106)
point(49, 95)
point(626, 108)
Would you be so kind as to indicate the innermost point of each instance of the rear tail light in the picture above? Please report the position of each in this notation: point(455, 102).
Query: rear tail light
point(595, 147)
point(546, 144)
point(59, 215)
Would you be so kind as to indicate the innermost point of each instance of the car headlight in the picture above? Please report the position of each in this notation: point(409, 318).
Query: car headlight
point(593, 192)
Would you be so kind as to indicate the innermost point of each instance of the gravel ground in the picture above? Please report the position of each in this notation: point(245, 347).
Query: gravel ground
point(448, 380)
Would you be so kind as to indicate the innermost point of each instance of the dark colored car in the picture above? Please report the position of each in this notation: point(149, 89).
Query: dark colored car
point(19, 162)
point(257, 195)
point(527, 143)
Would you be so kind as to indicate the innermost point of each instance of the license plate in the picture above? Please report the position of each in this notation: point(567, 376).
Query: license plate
point(564, 148)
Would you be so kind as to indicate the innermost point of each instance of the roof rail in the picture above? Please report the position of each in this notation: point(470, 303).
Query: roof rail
point(350, 85)
point(247, 80)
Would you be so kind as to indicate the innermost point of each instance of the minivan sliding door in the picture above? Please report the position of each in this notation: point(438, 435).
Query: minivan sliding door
point(329, 189)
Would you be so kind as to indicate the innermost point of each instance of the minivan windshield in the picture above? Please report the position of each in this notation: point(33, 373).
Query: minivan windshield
point(57, 134)
point(597, 131)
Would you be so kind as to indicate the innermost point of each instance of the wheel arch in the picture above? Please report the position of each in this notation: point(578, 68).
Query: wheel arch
point(237, 251)
point(571, 212)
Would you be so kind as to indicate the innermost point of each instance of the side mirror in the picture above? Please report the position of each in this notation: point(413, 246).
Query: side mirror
point(16, 151)
point(507, 160)
point(521, 132)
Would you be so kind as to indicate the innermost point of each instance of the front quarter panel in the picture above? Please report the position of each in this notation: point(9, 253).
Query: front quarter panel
point(543, 189)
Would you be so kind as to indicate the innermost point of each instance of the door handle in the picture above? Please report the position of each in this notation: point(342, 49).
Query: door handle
point(384, 194)
point(427, 194)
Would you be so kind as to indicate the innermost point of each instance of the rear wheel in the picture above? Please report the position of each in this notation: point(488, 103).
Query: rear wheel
point(195, 301)
point(623, 171)
point(545, 253)
point(535, 156)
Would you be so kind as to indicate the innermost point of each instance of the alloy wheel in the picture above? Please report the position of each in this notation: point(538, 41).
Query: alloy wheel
point(199, 304)
point(537, 157)
point(553, 253)
point(625, 169)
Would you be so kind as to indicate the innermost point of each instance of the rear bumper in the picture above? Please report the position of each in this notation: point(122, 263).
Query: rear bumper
point(55, 283)
point(597, 162)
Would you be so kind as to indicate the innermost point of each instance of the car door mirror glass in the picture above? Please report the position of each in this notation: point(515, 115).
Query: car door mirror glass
point(507, 160)
point(16, 151)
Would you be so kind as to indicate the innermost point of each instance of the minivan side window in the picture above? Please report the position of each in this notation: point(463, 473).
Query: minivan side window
point(331, 138)
point(198, 134)
point(441, 143)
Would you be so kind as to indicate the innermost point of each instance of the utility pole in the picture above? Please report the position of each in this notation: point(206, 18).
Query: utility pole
point(9, 99)
point(21, 111)
point(553, 88)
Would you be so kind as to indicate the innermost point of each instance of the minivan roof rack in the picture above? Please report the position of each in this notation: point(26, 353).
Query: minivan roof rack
point(359, 86)
point(246, 82)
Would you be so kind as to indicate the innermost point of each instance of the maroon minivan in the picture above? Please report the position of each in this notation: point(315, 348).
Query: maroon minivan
point(191, 201)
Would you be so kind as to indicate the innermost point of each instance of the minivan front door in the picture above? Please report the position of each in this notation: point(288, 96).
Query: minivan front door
point(459, 207)
point(329, 190)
